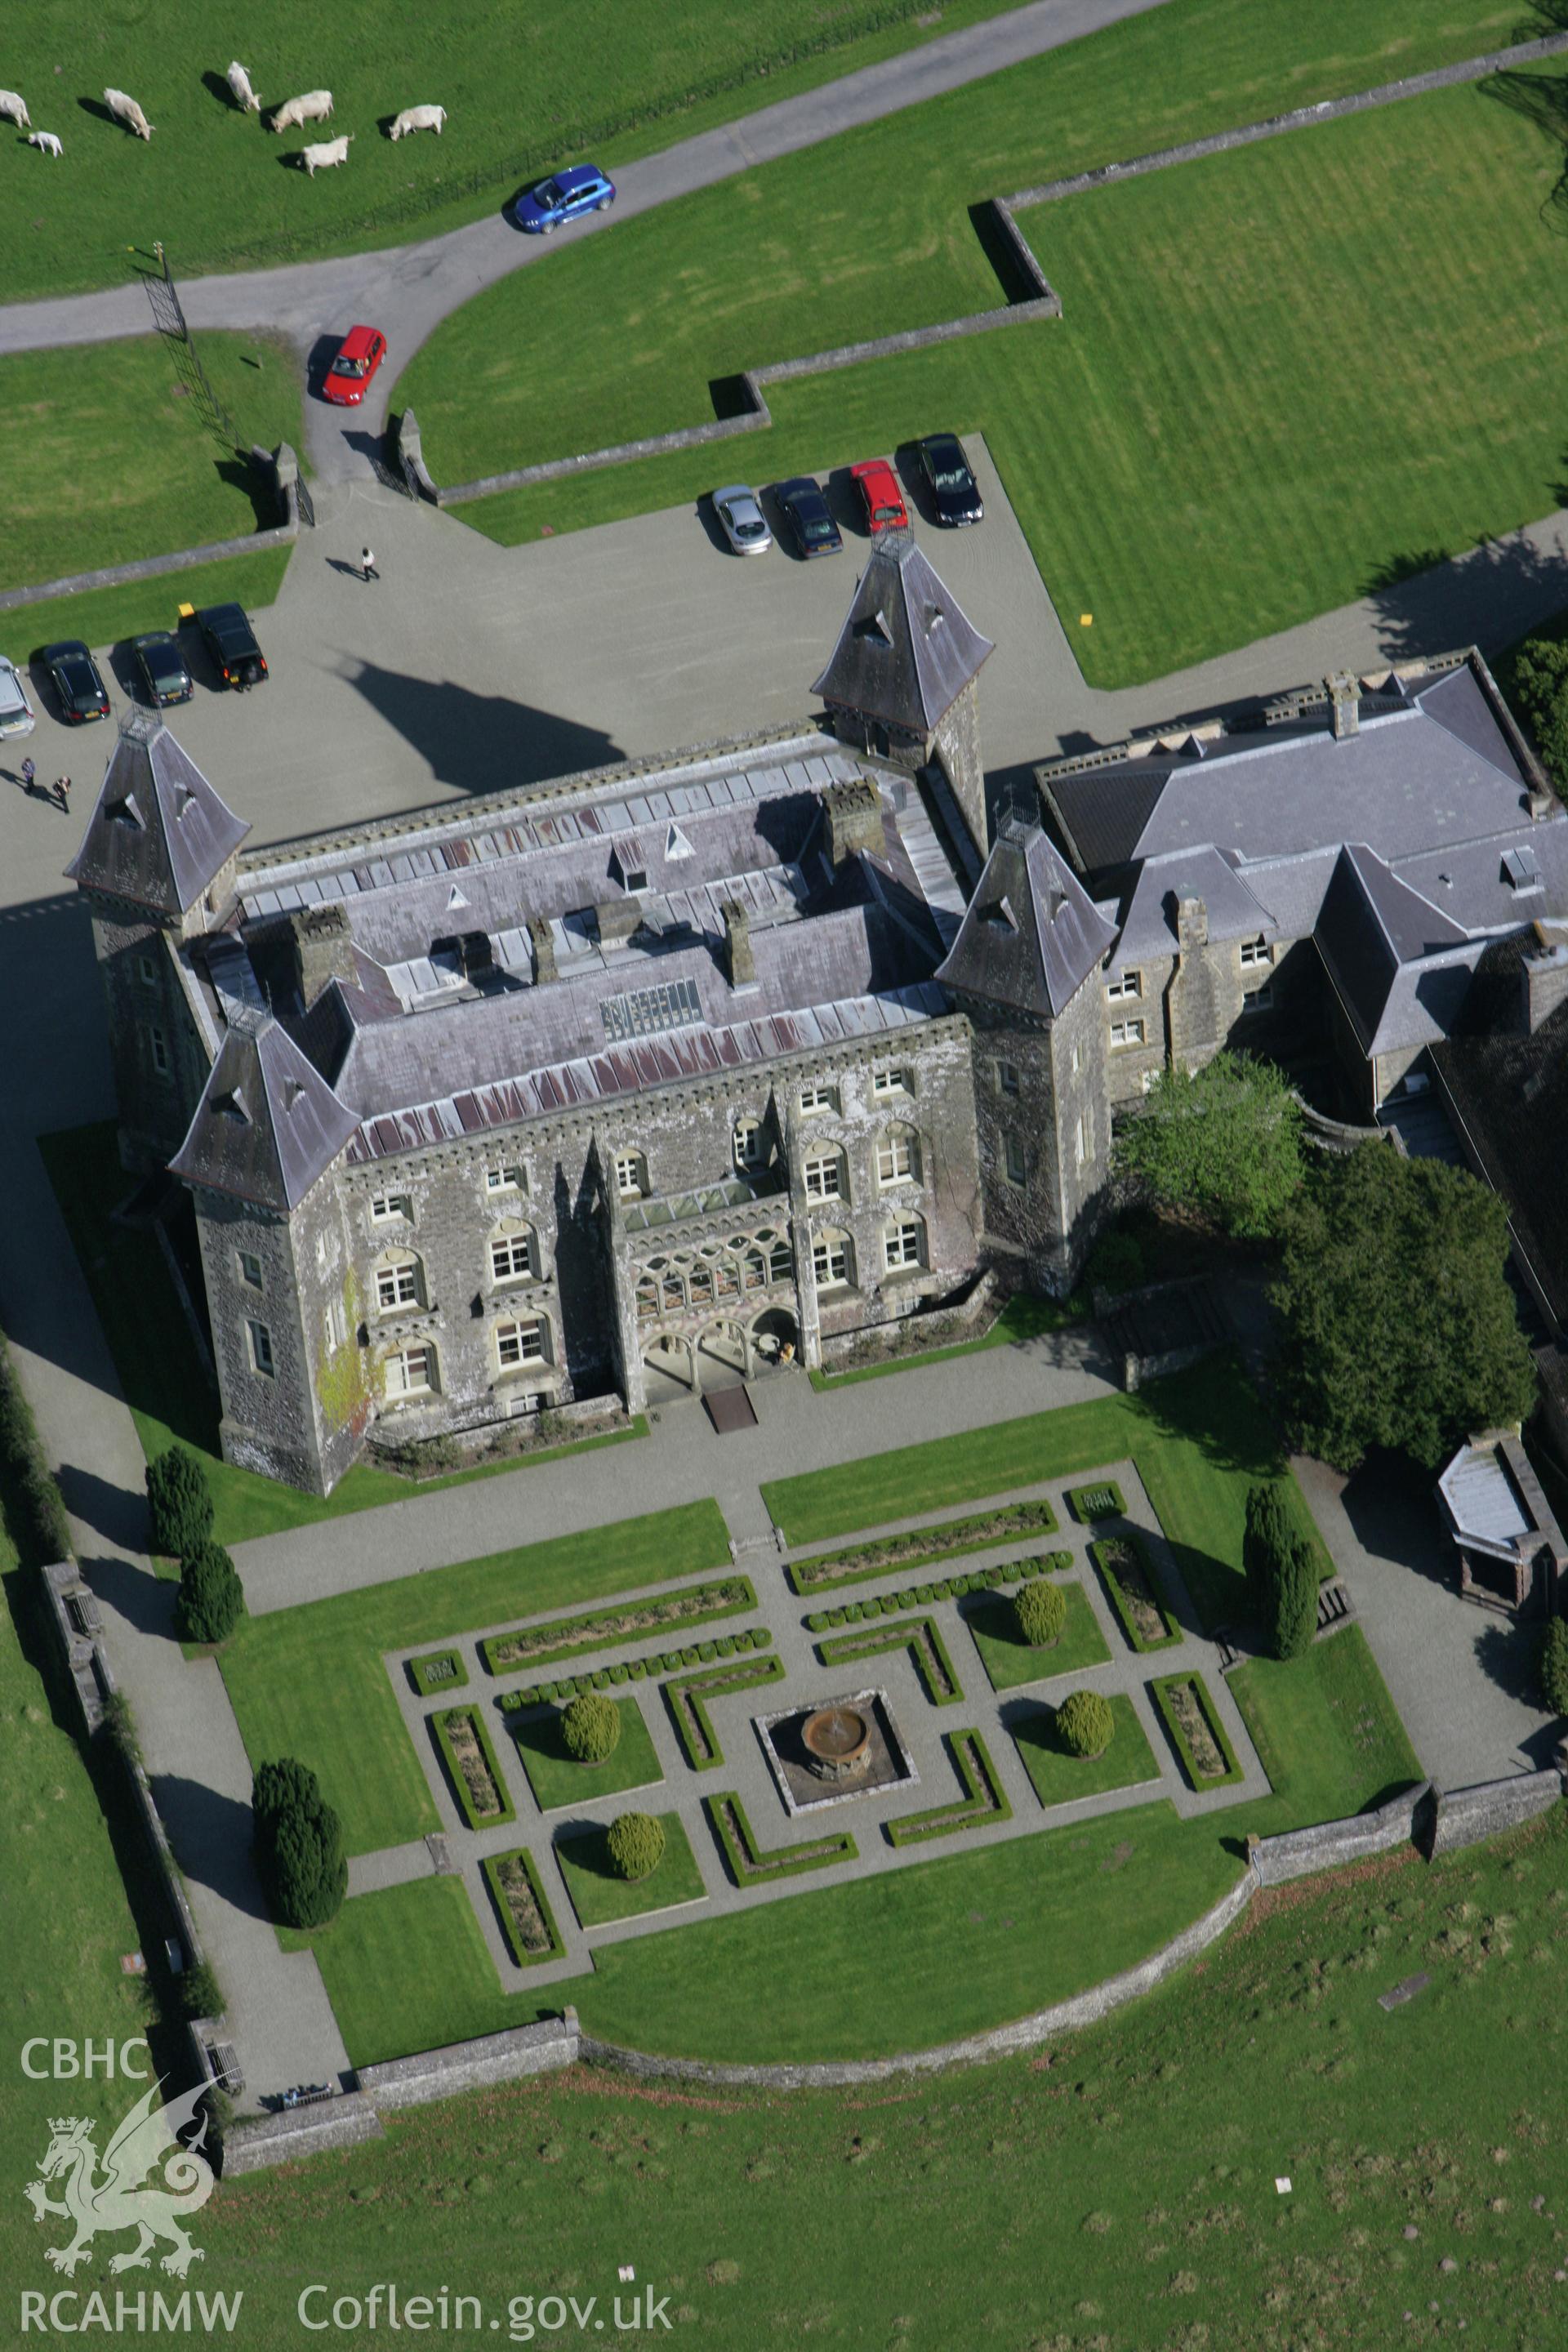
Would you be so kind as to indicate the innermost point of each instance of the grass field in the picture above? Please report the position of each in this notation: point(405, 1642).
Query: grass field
point(172, 1399)
point(600, 1895)
point(1060, 1778)
point(110, 459)
point(558, 1779)
point(1010, 1662)
point(309, 1683)
point(101, 616)
point(521, 92)
point(1233, 360)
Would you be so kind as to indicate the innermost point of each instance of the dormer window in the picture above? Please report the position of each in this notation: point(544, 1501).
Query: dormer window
point(636, 878)
point(676, 845)
point(1000, 915)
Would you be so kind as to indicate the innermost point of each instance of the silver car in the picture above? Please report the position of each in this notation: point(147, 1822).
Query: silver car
point(745, 525)
point(16, 710)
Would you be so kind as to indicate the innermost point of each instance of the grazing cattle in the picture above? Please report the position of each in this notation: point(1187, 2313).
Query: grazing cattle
point(14, 110)
point(46, 141)
point(125, 110)
point(245, 97)
point(330, 152)
point(418, 118)
point(314, 107)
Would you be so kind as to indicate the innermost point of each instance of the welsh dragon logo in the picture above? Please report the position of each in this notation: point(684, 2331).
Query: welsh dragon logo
point(122, 2197)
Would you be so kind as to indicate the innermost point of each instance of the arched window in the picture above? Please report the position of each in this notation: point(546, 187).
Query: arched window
point(523, 1343)
point(903, 1243)
point(833, 1259)
point(399, 1281)
point(898, 1156)
point(631, 1175)
point(781, 1263)
point(647, 1300)
point(674, 1291)
point(514, 1253)
point(751, 1145)
point(753, 1271)
point(701, 1286)
point(410, 1372)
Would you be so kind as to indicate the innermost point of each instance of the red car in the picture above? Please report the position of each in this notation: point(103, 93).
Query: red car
point(878, 486)
point(348, 376)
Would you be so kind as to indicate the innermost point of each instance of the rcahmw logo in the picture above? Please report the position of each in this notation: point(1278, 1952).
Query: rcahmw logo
point(149, 2181)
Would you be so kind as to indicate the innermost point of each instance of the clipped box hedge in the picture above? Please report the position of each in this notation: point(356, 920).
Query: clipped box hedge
point(984, 1800)
point(1163, 1692)
point(921, 1546)
point(570, 1637)
point(750, 1864)
point(1123, 1604)
point(919, 1636)
point(1101, 1499)
point(440, 1670)
point(494, 1867)
point(476, 1820)
point(685, 1694)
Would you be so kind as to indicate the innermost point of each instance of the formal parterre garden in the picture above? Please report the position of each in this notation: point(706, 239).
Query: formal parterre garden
point(977, 1662)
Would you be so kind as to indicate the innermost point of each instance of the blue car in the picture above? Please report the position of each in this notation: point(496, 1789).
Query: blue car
point(581, 188)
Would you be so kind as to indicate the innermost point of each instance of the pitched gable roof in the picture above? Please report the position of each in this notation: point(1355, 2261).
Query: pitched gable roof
point(906, 651)
point(159, 832)
point(267, 1124)
point(1031, 935)
point(1371, 929)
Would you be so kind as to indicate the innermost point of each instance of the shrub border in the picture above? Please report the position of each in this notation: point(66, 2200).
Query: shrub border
point(1200, 1783)
point(735, 1674)
point(945, 1588)
point(1074, 1497)
point(473, 1708)
point(752, 1865)
point(1019, 1523)
point(1112, 1584)
point(872, 1641)
point(595, 1630)
point(983, 1800)
point(621, 1671)
point(416, 1673)
point(490, 1868)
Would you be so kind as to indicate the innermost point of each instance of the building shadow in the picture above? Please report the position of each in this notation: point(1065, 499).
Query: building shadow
point(118, 1514)
point(143, 1599)
point(1390, 1505)
point(1488, 596)
point(482, 742)
point(210, 1834)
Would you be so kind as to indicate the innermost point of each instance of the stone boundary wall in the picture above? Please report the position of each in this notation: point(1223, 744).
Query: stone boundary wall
point(1465, 1816)
point(1042, 302)
point(1299, 1853)
point(472, 2065)
point(300, 2131)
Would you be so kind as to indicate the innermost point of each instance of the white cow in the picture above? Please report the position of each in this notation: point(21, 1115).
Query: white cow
point(314, 107)
point(14, 110)
point(245, 97)
point(125, 110)
point(46, 141)
point(330, 152)
point(418, 118)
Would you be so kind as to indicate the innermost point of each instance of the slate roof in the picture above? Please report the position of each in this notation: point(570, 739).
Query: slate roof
point(267, 1124)
point(1236, 910)
point(1031, 934)
point(906, 651)
point(158, 833)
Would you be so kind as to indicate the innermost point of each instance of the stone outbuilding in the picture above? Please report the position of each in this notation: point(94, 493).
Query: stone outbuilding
point(1510, 1548)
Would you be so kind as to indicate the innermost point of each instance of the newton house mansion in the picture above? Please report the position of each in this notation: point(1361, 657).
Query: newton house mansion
point(680, 1068)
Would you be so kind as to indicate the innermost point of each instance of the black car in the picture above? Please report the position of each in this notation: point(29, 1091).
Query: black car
point(950, 479)
point(806, 510)
point(73, 673)
point(161, 666)
point(231, 641)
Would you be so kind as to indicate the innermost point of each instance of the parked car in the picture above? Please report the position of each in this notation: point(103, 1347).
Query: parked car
point(744, 523)
point(161, 666)
point(884, 502)
point(73, 673)
point(348, 378)
point(565, 196)
point(16, 710)
point(806, 511)
point(229, 638)
point(950, 479)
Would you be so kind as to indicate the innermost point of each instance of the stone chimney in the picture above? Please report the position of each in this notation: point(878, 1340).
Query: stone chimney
point(320, 948)
point(1344, 703)
point(853, 812)
point(617, 920)
point(739, 962)
point(542, 941)
point(1544, 980)
point(1191, 925)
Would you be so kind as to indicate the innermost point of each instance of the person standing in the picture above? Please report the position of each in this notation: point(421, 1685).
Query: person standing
point(29, 772)
point(367, 565)
point(63, 793)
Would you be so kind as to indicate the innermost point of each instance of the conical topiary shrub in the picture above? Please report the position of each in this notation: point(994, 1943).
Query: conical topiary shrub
point(1085, 1724)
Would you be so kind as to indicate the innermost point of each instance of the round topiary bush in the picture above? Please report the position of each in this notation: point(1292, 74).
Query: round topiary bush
point(1085, 1724)
point(1041, 1610)
point(591, 1727)
point(635, 1844)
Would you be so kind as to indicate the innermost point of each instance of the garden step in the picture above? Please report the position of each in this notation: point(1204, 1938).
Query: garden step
point(1335, 1607)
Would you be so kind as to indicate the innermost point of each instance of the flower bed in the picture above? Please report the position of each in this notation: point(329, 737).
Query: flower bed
point(1100, 1501)
point(984, 1798)
point(526, 1920)
point(635, 1670)
point(922, 1546)
point(944, 1587)
point(569, 1637)
point(750, 1864)
point(933, 1664)
point(1128, 1580)
point(1188, 1713)
point(443, 1670)
point(480, 1791)
point(684, 1696)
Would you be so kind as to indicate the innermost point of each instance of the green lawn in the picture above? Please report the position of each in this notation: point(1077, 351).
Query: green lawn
point(522, 90)
point(1023, 1318)
point(558, 1779)
point(101, 616)
point(309, 1682)
point(110, 459)
point(1008, 1657)
point(1193, 382)
point(172, 1399)
point(1322, 1725)
point(599, 1895)
point(1060, 1777)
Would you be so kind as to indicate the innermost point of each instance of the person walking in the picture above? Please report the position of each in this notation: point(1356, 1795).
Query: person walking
point(29, 772)
point(63, 793)
point(367, 565)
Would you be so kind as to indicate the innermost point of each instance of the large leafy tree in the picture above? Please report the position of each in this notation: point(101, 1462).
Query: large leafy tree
point(1397, 1326)
point(1540, 686)
point(299, 1844)
point(1224, 1140)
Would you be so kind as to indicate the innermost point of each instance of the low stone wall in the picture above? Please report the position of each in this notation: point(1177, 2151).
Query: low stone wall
point(1299, 1853)
point(300, 2132)
point(472, 2065)
point(1464, 1816)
